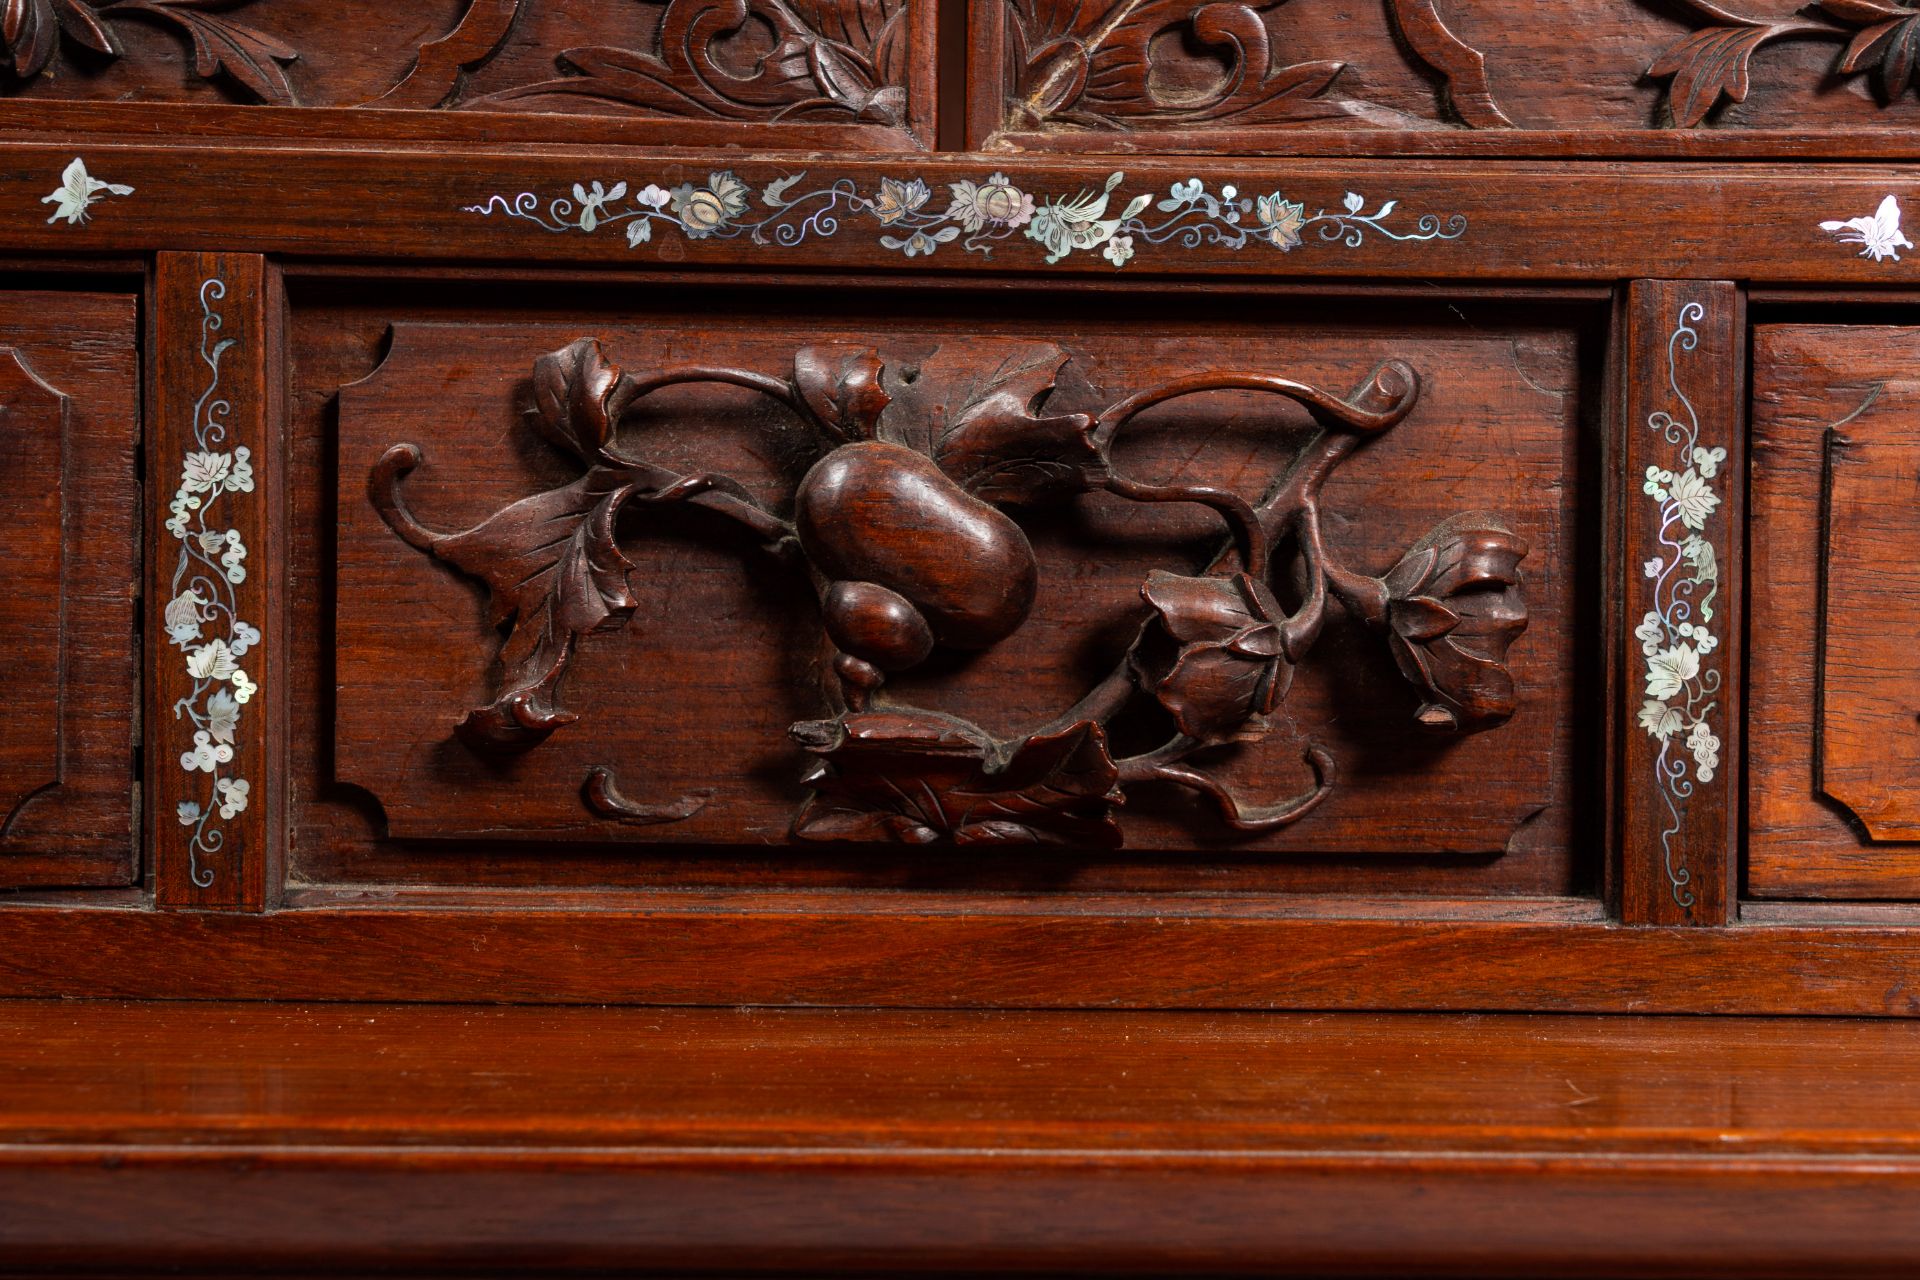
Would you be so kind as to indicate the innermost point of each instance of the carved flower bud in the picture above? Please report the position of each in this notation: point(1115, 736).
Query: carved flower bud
point(1214, 657)
point(1454, 605)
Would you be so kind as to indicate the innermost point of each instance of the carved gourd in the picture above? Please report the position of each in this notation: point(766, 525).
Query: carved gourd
point(885, 517)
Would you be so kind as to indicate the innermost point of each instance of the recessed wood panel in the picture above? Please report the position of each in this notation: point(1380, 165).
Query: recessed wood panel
point(699, 707)
point(1834, 694)
point(67, 429)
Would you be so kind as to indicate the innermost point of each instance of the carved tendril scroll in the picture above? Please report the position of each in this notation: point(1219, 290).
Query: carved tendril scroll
point(901, 526)
point(1092, 66)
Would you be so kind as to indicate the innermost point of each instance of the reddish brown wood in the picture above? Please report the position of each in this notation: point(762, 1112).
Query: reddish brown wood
point(1829, 685)
point(833, 72)
point(1682, 437)
point(215, 685)
point(727, 735)
point(356, 1137)
point(68, 422)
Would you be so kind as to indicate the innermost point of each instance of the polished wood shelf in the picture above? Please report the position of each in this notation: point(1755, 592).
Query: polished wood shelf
point(209, 1136)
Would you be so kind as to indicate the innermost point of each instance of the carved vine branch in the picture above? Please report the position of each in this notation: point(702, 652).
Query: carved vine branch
point(1714, 63)
point(1090, 65)
point(31, 30)
point(902, 529)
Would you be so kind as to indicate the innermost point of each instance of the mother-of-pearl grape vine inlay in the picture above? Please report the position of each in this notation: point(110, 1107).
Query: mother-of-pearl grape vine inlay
point(978, 215)
point(202, 613)
point(1676, 634)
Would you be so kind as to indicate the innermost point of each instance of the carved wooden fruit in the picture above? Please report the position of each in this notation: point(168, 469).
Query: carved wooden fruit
point(882, 626)
point(880, 513)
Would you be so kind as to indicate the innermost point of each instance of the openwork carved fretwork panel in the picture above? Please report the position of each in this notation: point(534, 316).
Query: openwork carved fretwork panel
point(945, 588)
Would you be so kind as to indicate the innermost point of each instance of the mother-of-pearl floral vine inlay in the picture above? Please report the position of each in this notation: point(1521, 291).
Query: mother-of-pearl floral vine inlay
point(1676, 634)
point(202, 615)
point(977, 215)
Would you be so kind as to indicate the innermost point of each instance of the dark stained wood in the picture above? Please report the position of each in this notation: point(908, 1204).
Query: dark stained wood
point(358, 1137)
point(215, 688)
point(1830, 681)
point(68, 423)
point(1680, 494)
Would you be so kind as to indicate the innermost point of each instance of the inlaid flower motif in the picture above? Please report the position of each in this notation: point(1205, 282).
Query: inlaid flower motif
point(897, 199)
point(1215, 659)
point(920, 242)
point(705, 210)
point(1453, 608)
point(1119, 250)
point(1281, 221)
point(188, 811)
point(594, 203)
point(995, 202)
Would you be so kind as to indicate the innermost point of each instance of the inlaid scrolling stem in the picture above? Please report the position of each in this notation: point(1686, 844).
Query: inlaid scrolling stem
point(902, 526)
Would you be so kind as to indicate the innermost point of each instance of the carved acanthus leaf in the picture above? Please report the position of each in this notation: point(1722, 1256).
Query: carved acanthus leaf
point(221, 45)
point(918, 777)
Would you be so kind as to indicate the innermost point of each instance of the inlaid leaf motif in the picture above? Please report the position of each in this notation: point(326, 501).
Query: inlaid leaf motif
point(917, 777)
point(1092, 64)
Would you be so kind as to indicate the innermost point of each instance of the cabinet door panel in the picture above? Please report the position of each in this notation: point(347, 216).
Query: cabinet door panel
point(1834, 691)
point(586, 606)
point(67, 429)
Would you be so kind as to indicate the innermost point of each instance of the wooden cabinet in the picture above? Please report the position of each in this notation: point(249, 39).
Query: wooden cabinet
point(1112, 508)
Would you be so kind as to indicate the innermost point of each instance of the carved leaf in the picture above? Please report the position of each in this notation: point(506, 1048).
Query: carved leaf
point(1093, 64)
point(830, 58)
point(556, 573)
point(30, 33)
point(989, 433)
point(1889, 41)
point(579, 397)
point(1708, 65)
point(246, 54)
point(841, 386)
point(918, 777)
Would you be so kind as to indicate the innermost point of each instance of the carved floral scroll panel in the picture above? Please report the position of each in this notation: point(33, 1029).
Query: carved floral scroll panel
point(1217, 69)
point(714, 705)
point(759, 62)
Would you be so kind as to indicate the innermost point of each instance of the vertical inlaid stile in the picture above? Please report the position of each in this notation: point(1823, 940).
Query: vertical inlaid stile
point(214, 674)
point(1681, 497)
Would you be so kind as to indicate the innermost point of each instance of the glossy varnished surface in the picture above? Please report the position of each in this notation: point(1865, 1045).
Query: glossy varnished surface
point(363, 1134)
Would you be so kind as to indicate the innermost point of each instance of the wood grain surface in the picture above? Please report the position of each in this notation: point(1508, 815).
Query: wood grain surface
point(351, 1136)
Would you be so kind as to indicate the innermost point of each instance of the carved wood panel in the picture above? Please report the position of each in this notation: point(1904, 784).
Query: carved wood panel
point(855, 63)
point(1219, 75)
point(67, 428)
point(923, 583)
point(1834, 711)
